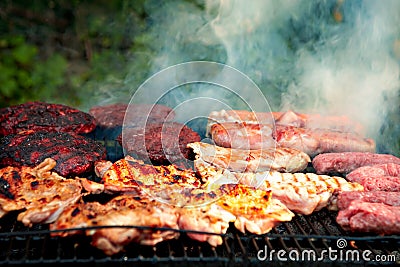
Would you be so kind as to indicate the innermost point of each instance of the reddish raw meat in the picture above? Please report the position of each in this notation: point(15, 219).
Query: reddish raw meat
point(346, 162)
point(345, 198)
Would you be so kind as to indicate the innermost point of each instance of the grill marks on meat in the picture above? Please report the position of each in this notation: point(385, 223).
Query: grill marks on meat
point(303, 193)
point(310, 141)
point(75, 155)
point(42, 194)
point(346, 162)
point(160, 143)
point(380, 177)
point(238, 160)
point(131, 175)
point(124, 210)
point(40, 116)
point(249, 209)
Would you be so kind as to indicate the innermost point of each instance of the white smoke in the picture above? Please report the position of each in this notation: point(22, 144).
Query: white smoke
point(333, 57)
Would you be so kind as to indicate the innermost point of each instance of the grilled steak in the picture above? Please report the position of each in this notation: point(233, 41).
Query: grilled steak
point(160, 143)
point(380, 177)
point(40, 116)
point(361, 216)
point(301, 192)
point(113, 115)
point(344, 199)
point(310, 141)
point(346, 162)
point(38, 192)
point(240, 160)
point(75, 154)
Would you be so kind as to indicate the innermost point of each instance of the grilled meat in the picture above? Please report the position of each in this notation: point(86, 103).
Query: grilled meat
point(160, 143)
point(125, 210)
point(310, 141)
point(316, 141)
point(238, 160)
point(389, 198)
point(301, 192)
point(290, 118)
point(40, 116)
point(112, 115)
point(346, 162)
point(243, 135)
point(380, 177)
point(38, 192)
point(361, 216)
point(75, 154)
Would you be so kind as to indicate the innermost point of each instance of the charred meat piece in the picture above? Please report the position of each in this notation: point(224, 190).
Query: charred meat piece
point(310, 141)
point(389, 198)
point(40, 116)
point(361, 216)
point(75, 154)
point(380, 177)
point(240, 160)
point(346, 162)
point(142, 214)
point(160, 143)
point(38, 192)
point(112, 115)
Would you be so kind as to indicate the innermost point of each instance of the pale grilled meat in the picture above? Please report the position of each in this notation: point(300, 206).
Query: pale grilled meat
point(241, 160)
point(38, 192)
point(301, 192)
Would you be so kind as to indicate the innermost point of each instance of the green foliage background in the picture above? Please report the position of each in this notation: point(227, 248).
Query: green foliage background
point(59, 51)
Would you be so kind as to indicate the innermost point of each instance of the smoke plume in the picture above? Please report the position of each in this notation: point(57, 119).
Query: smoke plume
point(332, 57)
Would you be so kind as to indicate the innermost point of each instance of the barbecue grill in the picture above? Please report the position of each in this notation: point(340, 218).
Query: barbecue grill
point(316, 234)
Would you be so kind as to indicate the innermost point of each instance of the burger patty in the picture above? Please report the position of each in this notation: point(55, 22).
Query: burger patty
point(160, 143)
point(75, 154)
point(113, 115)
point(40, 116)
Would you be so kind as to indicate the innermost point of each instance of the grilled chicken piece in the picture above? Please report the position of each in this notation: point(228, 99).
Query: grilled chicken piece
point(131, 175)
point(256, 211)
point(41, 193)
point(240, 160)
point(310, 141)
point(125, 210)
point(303, 193)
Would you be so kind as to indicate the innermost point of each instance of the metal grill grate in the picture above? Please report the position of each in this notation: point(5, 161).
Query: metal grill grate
point(316, 234)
